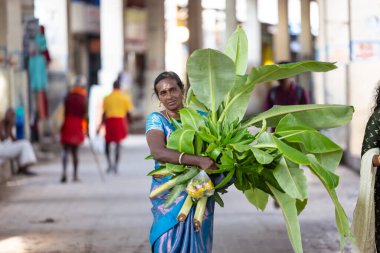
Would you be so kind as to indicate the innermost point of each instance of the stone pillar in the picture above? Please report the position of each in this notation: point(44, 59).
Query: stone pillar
point(253, 31)
point(112, 41)
point(305, 37)
point(281, 38)
point(155, 52)
point(306, 52)
point(10, 40)
point(231, 21)
point(195, 25)
point(70, 44)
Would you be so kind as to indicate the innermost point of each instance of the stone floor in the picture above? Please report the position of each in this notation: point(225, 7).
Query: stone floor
point(41, 215)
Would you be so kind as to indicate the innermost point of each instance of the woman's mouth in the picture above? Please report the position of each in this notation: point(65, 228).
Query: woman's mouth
point(171, 103)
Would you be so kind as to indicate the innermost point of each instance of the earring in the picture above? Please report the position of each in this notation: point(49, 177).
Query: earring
point(160, 105)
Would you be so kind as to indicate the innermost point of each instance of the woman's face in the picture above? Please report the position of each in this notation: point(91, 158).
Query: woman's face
point(169, 94)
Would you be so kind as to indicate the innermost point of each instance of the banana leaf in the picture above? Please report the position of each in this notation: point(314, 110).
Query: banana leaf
point(269, 73)
point(190, 118)
point(292, 180)
point(236, 49)
point(289, 211)
point(316, 116)
point(182, 140)
point(257, 197)
point(211, 75)
point(340, 216)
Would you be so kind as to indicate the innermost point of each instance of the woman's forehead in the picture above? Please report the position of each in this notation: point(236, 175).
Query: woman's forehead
point(166, 83)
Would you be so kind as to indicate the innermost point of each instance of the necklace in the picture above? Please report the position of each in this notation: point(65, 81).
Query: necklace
point(166, 114)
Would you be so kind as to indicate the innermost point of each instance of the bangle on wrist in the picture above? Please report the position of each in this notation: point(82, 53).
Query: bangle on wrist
point(180, 158)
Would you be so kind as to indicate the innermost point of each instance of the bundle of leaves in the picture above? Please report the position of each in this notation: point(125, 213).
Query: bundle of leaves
point(263, 164)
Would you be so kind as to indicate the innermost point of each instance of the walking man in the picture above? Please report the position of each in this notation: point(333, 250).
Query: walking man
point(116, 117)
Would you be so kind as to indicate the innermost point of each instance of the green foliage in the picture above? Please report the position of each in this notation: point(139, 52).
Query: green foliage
point(262, 164)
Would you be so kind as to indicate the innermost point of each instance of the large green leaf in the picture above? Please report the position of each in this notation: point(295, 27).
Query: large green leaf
point(261, 156)
point(257, 197)
point(190, 118)
point(193, 102)
point(316, 116)
point(326, 151)
point(293, 130)
point(330, 161)
point(274, 72)
point(341, 220)
point(329, 179)
point(340, 216)
point(289, 211)
point(291, 153)
point(236, 49)
point(182, 140)
point(291, 179)
point(236, 108)
point(211, 75)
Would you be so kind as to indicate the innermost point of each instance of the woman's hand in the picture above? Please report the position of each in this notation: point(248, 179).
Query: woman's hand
point(206, 163)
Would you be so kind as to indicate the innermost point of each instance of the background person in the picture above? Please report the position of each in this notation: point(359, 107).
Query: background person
point(287, 92)
point(366, 220)
point(116, 118)
point(10, 148)
point(74, 126)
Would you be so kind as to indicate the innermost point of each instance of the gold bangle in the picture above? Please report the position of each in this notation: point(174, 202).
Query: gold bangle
point(180, 158)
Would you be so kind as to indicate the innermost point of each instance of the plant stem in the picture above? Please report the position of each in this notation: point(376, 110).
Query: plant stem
point(164, 187)
point(199, 212)
point(185, 209)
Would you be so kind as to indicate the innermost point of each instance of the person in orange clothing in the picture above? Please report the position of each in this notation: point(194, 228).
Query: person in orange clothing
point(74, 126)
point(116, 117)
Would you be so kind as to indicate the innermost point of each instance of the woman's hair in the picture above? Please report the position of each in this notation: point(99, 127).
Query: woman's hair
point(377, 97)
point(168, 74)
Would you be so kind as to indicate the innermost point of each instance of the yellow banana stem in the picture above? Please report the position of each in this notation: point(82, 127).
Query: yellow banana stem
point(185, 209)
point(199, 212)
point(161, 173)
point(164, 187)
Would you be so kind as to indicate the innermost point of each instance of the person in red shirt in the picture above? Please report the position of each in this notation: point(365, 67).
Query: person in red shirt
point(74, 127)
point(286, 93)
point(116, 117)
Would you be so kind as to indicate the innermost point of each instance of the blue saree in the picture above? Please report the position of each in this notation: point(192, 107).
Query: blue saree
point(167, 235)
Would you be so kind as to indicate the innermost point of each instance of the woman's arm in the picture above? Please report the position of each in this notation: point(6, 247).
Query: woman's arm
point(157, 146)
point(375, 160)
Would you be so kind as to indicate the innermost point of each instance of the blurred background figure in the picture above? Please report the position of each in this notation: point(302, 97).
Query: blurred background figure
point(117, 108)
point(74, 126)
point(286, 93)
point(10, 148)
point(38, 61)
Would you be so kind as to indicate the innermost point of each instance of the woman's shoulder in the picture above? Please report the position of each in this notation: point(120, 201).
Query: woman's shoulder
point(155, 120)
point(155, 116)
point(375, 114)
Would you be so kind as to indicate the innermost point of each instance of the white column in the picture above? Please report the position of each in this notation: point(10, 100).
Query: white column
point(281, 38)
point(306, 41)
point(155, 51)
point(253, 30)
point(112, 41)
point(195, 25)
point(231, 21)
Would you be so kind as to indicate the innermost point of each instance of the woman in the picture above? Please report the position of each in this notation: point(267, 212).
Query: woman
point(167, 234)
point(74, 127)
point(366, 222)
